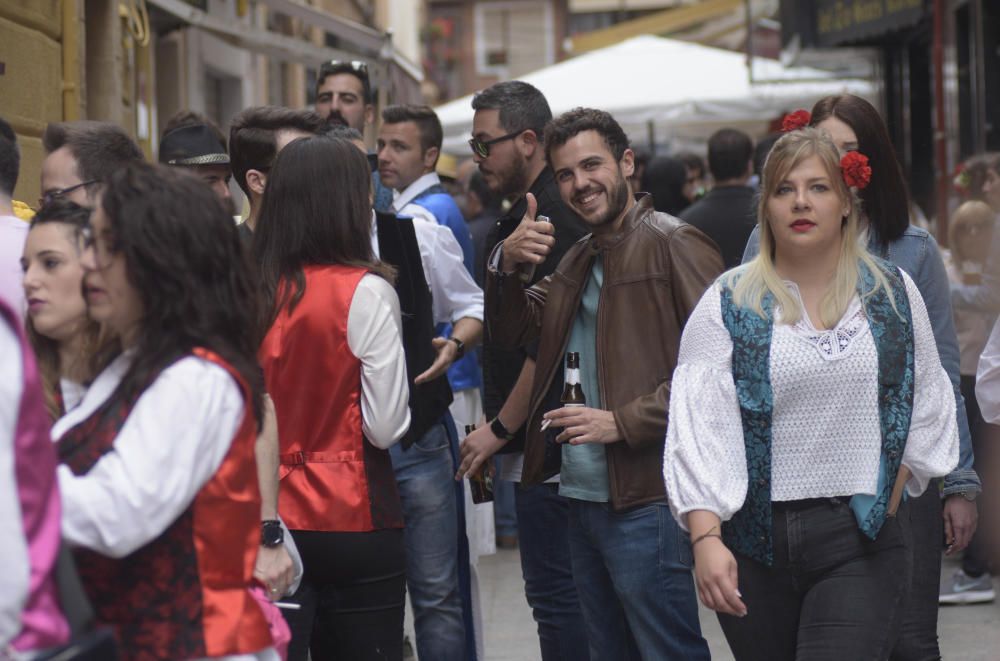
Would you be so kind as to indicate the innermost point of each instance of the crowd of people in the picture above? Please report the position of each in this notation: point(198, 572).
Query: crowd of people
point(232, 431)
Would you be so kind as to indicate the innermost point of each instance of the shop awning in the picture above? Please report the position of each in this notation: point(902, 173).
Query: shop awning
point(369, 43)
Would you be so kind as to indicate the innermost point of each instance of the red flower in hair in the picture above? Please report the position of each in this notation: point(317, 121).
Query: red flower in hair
point(857, 172)
point(794, 121)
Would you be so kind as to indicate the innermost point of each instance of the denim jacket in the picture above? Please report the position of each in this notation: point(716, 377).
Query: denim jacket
point(916, 252)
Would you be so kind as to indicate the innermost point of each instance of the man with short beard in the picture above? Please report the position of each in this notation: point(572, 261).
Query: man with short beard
point(507, 146)
point(631, 563)
point(344, 96)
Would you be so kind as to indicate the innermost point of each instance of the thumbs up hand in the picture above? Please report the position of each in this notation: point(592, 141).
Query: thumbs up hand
point(529, 243)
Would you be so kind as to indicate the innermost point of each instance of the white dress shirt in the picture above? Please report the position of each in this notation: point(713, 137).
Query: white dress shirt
point(16, 569)
point(402, 201)
point(173, 441)
point(375, 337)
point(454, 294)
point(826, 436)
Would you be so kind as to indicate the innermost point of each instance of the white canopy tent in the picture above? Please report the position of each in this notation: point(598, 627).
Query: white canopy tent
point(668, 92)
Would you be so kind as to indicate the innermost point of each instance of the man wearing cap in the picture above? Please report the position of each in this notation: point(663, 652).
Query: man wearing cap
point(199, 148)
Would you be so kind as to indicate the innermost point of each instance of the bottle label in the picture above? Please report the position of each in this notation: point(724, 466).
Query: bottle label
point(572, 375)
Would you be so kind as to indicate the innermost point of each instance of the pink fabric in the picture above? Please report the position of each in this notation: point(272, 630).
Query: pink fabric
point(281, 634)
point(13, 232)
point(43, 624)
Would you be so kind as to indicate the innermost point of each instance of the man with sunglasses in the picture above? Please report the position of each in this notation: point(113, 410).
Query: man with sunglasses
point(507, 146)
point(79, 155)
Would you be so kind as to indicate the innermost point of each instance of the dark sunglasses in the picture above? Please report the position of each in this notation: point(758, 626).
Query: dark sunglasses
point(481, 148)
point(50, 195)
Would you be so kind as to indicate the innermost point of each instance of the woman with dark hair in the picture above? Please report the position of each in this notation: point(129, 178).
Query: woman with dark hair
point(855, 125)
point(160, 492)
point(664, 179)
point(68, 344)
point(333, 362)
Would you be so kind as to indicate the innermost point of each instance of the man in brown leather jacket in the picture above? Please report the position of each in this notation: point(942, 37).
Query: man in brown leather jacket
point(620, 298)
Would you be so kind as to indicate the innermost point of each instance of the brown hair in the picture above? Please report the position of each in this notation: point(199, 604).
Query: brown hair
point(98, 348)
point(252, 141)
point(99, 148)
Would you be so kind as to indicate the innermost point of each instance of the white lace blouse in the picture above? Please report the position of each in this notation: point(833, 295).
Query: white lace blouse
point(826, 437)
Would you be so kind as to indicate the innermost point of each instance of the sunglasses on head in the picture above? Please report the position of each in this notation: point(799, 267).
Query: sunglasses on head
point(481, 148)
point(333, 66)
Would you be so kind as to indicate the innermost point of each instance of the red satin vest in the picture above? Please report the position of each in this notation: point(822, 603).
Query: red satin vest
point(186, 593)
point(332, 479)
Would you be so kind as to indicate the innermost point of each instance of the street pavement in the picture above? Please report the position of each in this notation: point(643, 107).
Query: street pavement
point(968, 633)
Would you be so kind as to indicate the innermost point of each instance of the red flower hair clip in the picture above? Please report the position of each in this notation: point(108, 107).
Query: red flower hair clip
point(857, 172)
point(794, 121)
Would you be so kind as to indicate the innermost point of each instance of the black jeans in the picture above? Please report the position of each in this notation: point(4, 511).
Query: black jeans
point(923, 527)
point(352, 597)
point(976, 559)
point(831, 594)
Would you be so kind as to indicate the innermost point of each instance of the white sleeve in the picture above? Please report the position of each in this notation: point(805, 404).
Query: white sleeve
point(173, 441)
point(988, 378)
point(16, 570)
point(704, 462)
point(374, 336)
point(932, 445)
point(453, 291)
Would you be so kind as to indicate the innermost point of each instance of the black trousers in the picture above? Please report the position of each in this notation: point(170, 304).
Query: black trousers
point(832, 593)
point(352, 597)
point(976, 559)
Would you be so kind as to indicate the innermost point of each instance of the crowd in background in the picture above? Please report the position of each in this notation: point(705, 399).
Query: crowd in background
point(246, 431)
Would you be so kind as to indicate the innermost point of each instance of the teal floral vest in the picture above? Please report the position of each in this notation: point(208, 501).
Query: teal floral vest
point(749, 531)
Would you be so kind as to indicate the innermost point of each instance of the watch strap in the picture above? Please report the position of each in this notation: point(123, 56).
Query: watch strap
point(500, 431)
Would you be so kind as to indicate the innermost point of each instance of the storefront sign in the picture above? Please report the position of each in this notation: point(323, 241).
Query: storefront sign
point(850, 21)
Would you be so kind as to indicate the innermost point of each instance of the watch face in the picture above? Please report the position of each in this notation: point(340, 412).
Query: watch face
point(271, 535)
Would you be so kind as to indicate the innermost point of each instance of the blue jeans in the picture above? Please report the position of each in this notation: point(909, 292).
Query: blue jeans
point(542, 518)
point(504, 513)
point(633, 573)
point(425, 475)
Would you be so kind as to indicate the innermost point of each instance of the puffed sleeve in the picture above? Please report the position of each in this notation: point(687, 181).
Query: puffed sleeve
point(932, 446)
point(704, 462)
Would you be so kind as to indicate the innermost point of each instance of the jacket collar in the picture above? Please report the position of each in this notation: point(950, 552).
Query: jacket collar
point(545, 178)
point(642, 207)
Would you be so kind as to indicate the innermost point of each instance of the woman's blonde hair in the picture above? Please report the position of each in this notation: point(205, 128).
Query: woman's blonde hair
point(971, 216)
point(751, 282)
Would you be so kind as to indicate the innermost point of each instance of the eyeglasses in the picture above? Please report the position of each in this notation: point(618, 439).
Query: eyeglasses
point(50, 195)
point(104, 248)
point(481, 148)
point(357, 66)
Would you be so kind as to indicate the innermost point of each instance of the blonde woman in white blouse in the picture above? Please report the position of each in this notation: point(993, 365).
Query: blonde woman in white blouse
point(808, 381)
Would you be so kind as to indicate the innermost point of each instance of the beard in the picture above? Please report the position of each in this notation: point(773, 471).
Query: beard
point(617, 200)
point(512, 180)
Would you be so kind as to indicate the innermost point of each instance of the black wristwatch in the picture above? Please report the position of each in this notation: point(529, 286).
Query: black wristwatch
point(500, 431)
point(459, 344)
point(271, 533)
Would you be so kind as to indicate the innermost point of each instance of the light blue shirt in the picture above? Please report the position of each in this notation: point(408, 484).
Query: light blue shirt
point(584, 473)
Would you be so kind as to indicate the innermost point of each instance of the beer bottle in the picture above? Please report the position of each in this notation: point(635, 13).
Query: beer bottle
point(572, 392)
point(481, 482)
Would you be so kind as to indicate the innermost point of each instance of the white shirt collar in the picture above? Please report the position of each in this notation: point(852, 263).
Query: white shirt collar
point(401, 198)
point(374, 235)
